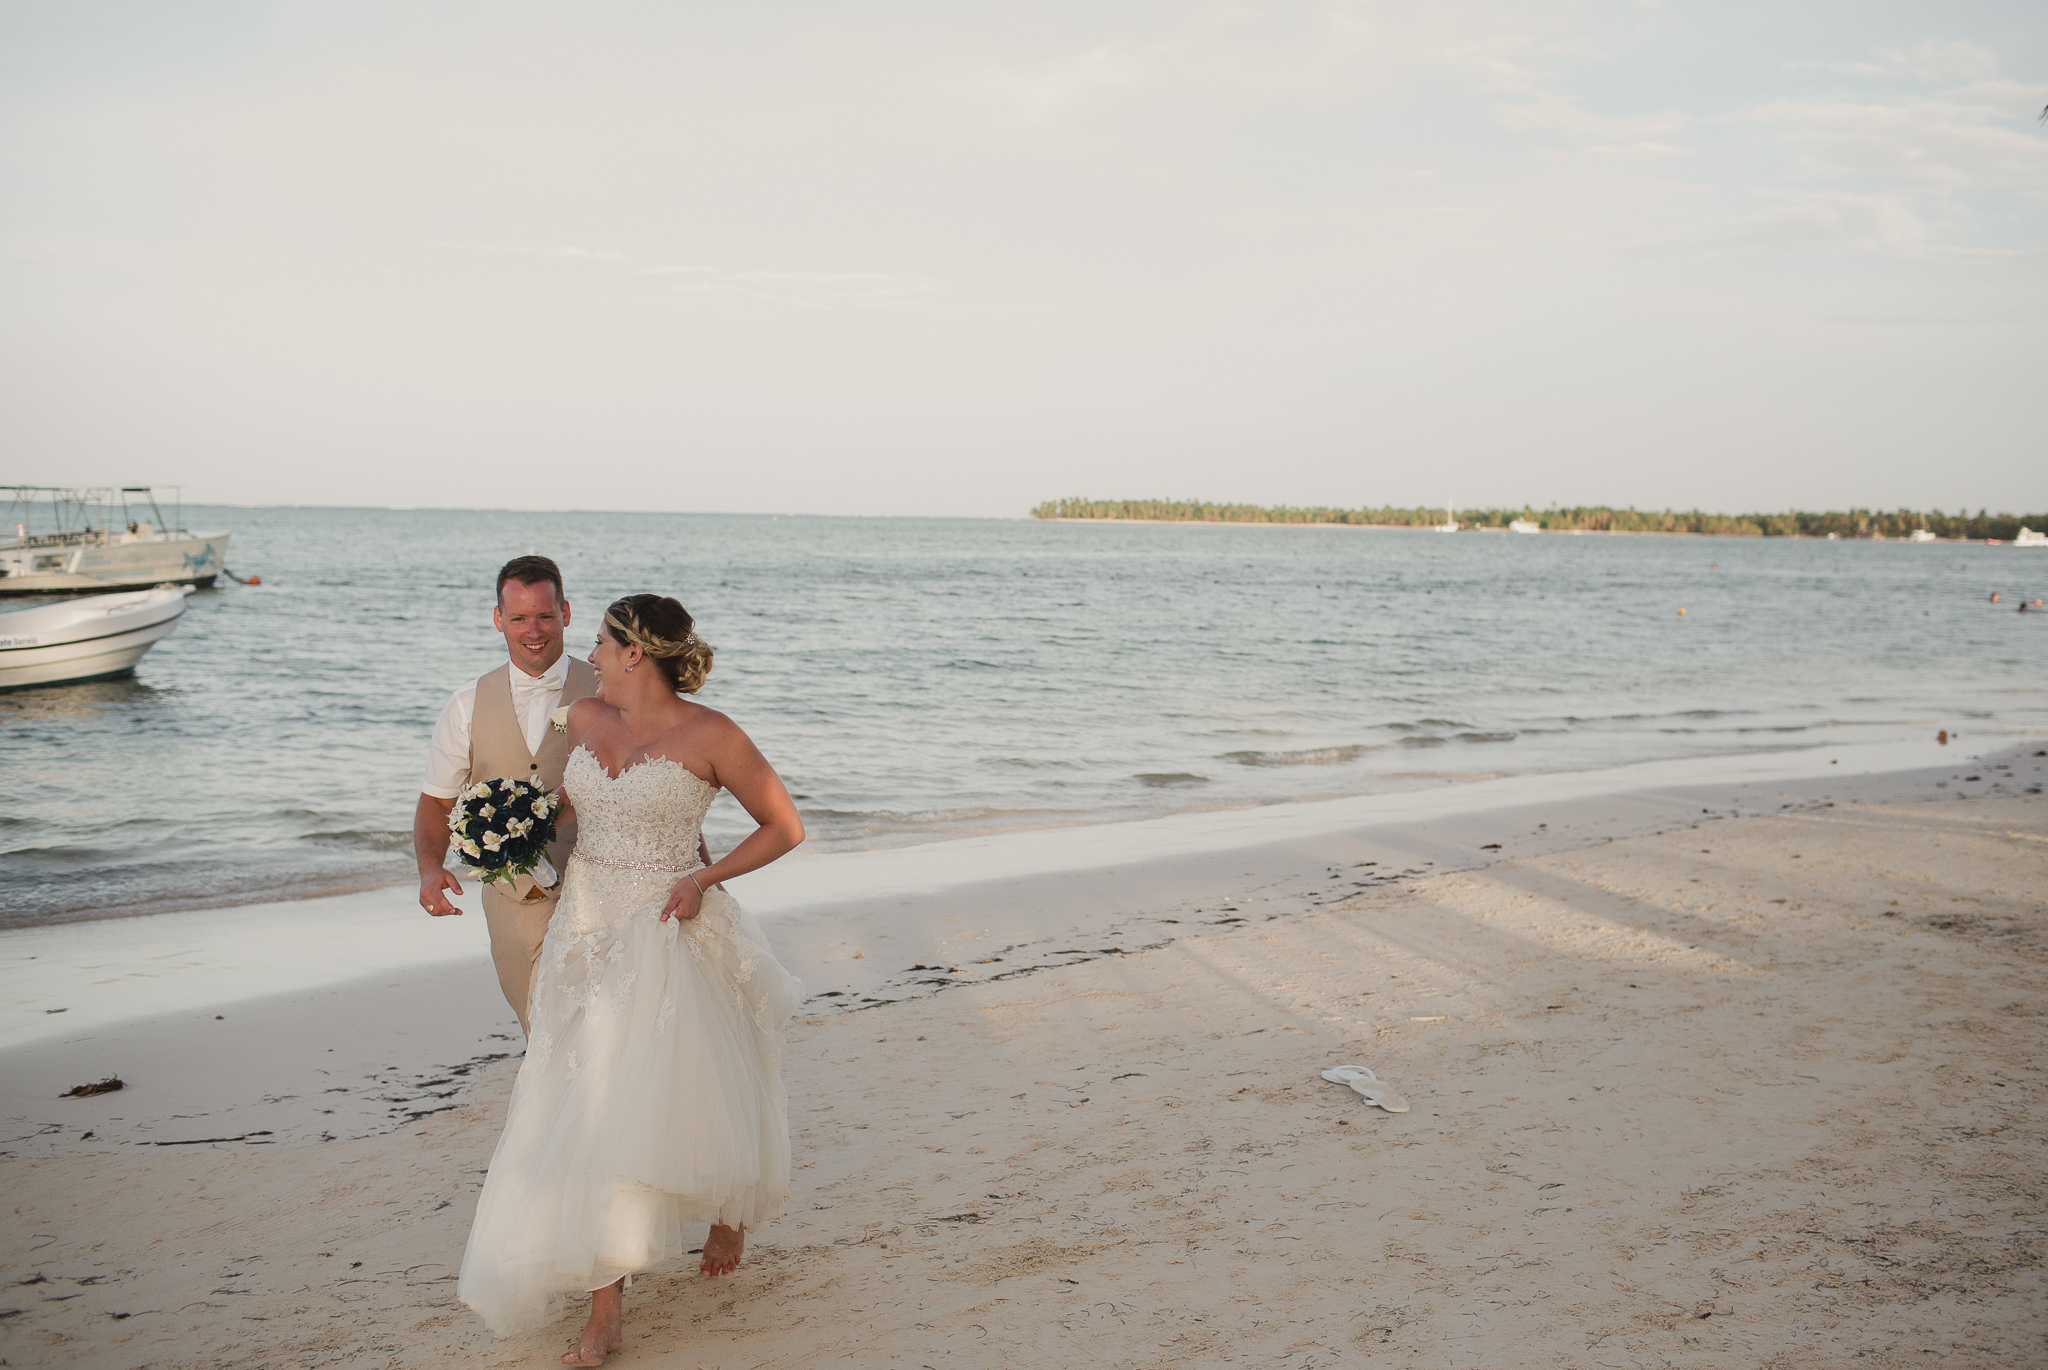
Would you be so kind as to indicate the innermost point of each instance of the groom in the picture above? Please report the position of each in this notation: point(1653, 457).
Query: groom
point(499, 727)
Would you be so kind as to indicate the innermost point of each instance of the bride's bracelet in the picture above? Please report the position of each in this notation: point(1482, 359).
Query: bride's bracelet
point(699, 884)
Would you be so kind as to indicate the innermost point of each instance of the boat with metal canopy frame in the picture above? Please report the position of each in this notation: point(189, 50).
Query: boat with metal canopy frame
point(95, 538)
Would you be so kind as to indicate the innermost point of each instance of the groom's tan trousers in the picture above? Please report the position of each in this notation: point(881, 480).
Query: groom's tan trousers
point(517, 931)
point(497, 749)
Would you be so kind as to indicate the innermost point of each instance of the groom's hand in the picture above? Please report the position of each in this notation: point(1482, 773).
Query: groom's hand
point(430, 849)
point(433, 898)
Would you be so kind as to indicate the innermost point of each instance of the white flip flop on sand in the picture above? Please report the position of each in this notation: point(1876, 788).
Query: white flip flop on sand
point(1369, 1086)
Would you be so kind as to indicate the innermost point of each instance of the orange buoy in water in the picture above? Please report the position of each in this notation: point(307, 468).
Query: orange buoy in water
point(1681, 613)
point(1942, 737)
point(255, 580)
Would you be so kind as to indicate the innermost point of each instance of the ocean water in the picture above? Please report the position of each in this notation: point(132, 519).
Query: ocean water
point(915, 679)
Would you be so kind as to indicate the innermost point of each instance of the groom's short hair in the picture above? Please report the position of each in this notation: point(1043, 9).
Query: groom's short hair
point(531, 571)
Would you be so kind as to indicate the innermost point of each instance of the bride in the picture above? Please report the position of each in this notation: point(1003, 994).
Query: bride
point(651, 1094)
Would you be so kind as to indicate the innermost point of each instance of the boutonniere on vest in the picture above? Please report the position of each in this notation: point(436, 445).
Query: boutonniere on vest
point(560, 718)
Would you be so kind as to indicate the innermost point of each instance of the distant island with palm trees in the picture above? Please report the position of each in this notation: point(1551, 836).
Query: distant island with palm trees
point(1853, 523)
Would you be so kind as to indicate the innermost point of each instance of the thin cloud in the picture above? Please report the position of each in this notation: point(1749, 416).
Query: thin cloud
point(1539, 108)
point(1864, 223)
point(1046, 94)
point(568, 254)
point(805, 289)
point(810, 289)
point(1933, 142)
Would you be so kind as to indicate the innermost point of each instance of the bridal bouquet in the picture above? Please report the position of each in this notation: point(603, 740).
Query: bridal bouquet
point(502, 828)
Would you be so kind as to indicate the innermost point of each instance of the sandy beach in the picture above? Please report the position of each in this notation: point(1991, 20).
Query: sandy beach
point(1749, 1081)
point(910, 456)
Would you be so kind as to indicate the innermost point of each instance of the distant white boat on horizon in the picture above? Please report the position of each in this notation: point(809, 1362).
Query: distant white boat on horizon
point(1922, 535)
point(2029, 538)
point(99, 538)
point(1524, 526)
point(1451, 523)
point(85, 639)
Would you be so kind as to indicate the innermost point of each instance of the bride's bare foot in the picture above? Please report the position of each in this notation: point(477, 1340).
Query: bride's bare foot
point(605, 1332)
point(723, 1249)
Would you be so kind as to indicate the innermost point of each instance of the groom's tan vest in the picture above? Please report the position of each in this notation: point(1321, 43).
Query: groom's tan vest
point(497, 750)
point(497, 744)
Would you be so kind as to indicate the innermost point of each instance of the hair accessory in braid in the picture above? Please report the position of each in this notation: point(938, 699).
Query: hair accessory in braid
point(664, 630)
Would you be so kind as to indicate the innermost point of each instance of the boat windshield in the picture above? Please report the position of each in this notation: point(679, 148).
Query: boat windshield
point(54, 515)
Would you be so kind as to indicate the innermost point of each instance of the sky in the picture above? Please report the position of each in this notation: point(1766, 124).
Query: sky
point(955, 259)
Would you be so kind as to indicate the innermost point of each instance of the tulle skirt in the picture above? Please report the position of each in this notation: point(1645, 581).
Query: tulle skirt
point(650, 1101)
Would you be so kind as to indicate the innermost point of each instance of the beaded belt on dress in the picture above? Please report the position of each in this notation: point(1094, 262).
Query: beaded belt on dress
point(633, 865)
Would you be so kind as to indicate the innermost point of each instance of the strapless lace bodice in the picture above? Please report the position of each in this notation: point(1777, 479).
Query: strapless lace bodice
point(648, 815)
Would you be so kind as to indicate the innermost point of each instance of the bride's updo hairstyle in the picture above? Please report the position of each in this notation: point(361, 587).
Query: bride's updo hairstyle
point(664, 630)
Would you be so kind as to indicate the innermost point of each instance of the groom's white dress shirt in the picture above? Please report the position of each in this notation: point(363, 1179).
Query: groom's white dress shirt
point(534, 697)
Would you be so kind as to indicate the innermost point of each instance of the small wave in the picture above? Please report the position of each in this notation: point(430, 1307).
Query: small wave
point(368, 839)
point(1486, 737)
point(64, 856)
point(187, 885)
point(1648, 718)
point(1421, 740)
point(1165, 779)
point(883, 820)
point(1311, 756)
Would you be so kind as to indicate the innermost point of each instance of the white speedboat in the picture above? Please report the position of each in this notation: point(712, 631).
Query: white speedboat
point(99, 539)
point(2029, 538)
point(1524, 526)
point(85, 639)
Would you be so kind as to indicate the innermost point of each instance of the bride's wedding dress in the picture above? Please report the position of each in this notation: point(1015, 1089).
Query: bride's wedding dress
point(651, 1097)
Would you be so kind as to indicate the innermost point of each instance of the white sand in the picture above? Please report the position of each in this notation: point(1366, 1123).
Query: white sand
point(1660, 1118)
